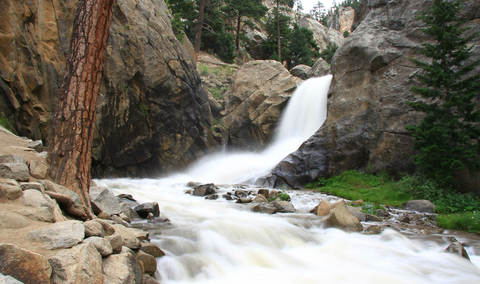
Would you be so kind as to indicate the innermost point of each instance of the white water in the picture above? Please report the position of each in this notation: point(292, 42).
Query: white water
point(223, 242)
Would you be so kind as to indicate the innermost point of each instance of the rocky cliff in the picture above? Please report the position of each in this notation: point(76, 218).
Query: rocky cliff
point(367, 113)
point(152, 116)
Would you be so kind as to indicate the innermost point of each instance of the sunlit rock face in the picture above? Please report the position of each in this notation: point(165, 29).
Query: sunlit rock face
point(367, 113)
point(152, 114)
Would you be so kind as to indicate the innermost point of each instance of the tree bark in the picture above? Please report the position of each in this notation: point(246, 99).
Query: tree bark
point(278, 32)
point(198, 34)
point(70, 152)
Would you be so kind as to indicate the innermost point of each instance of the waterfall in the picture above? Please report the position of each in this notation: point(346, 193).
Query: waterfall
point(304, 114)
point(217, 241)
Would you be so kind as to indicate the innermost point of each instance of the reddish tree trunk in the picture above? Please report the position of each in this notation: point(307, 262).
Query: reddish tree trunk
point(70, 152)
point(198, 35)
point(278, 33)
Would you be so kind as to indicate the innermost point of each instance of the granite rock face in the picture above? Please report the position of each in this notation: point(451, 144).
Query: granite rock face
point(152, 114)
point(367, 112)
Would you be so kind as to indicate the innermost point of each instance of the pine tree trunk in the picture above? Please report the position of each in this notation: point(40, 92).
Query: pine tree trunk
point(278, 33)
point(237, 40)
point(70, 152)
point(198, 34)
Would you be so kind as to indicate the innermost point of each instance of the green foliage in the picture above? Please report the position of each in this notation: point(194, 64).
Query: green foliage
point(270, 47)
point(224, 48)
point(217, 121)
point(371, 208)
point(6, 122)
point(447, 137)
point(282, 196)
point(379, 189)
point(184, 18)
point(144, 109)
point(346, 34)
point(177, 27)
point(446, 200)
point(217, 93)
point(301, 45)
point(204, 69)
point(469, 221)
point(355, 4)
point(328, 52)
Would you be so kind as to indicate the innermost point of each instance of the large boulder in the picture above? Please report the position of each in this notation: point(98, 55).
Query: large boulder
point(16, 171)
point(25, 266)
point(60, 235)
point(254, 101)
point(367, 109)
point(80, 264)
point(104, 200)
point(122, 268)
point(421, 205)
point(319, 69)
point(341, 218)
point(152, 113)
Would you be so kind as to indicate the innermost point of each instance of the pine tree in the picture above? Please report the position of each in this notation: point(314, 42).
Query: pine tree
point(447, 138)
point(302, 46)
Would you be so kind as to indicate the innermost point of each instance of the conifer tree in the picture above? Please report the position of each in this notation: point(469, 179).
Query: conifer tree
point(447, 138)
point(302, 46)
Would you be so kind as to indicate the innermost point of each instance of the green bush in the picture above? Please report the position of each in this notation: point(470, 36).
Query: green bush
point(6, 122)
point(204, 69)
point(469, 221)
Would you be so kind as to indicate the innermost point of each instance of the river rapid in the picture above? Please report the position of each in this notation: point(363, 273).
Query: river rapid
point(220, 241)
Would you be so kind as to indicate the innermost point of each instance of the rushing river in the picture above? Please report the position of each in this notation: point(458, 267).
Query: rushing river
point(219, 241)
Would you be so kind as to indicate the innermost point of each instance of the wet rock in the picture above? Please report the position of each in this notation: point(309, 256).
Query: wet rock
point(145, 208)
point(374, 230)
point(283, 206)
point(188, 191)
point(116, 242)
point(212, 197)
point(23, 265)
point(357, 212)
point(241, 194)
point(127, 199)
point(43, 214)
point(403, 219)
point(16, 171)
point(301, 71)
point(102, 245)
point(263, 192)
point(93, 229)
point(341, 218)
point(38, 170)
point(372, 218)
point(80, 264)
point(322, 208)
point(129, 238)
point(13, 220)
point(265, 207)
point(230, 197)
point(148, 262)
point(122, 268)
point(36, 145)
point(424, 206)
point(203, 190)
point(147, 279)
point(151, 249)
point(35, 198)
point(60, 235)
point(128, 211)
point(244, 200)
point(457, 248)
point(105, 200)
point(259, 199)
point(382, 213)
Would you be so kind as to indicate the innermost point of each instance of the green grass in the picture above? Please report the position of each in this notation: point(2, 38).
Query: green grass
point(217, 92)
point(379, 189)
point(204, 69)
point(469, 221)
point(6, 122)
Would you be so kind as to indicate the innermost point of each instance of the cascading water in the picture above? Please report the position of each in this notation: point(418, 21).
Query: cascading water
point(223, 242)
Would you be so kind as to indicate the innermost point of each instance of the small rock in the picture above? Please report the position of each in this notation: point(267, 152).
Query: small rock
point(129, 238)
point(341, 218)
point(38, 170)
point(322, 208)
point(43, 214)
point(12, 192)
point(35, 198)
point(36, 145)
point(16, 171)
point(104, 216)
point(107, 228)
point(12, 159)
point(404, 219)
point(147, 279)
point(104, 200)
point(457, 248)
point(372, 218)
point(424, 206)
point(125, 218)
point(127, 199)
point(122, 268)
point(357, 202)
point(382, 213)
point(212, 197)
point(188, 191)
point(118, 220)
point(265, 207)
point(145, 208)
point(373, 230)
point(116, 242)
point(203, 190)
point(128, 211)
point(263, 192)
point(241, 194)
point(301, 71)
point(230, 197)
point(283, 206)
point(152, 249)
point(32, 185)
point(260, 198)
point(93, 229)
point(13, 220)
point(60, 235)
point(149, 263)
point(23, 265)
point(244, 200)
point(357, 212)
point(80, 264)
point(102, 245)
